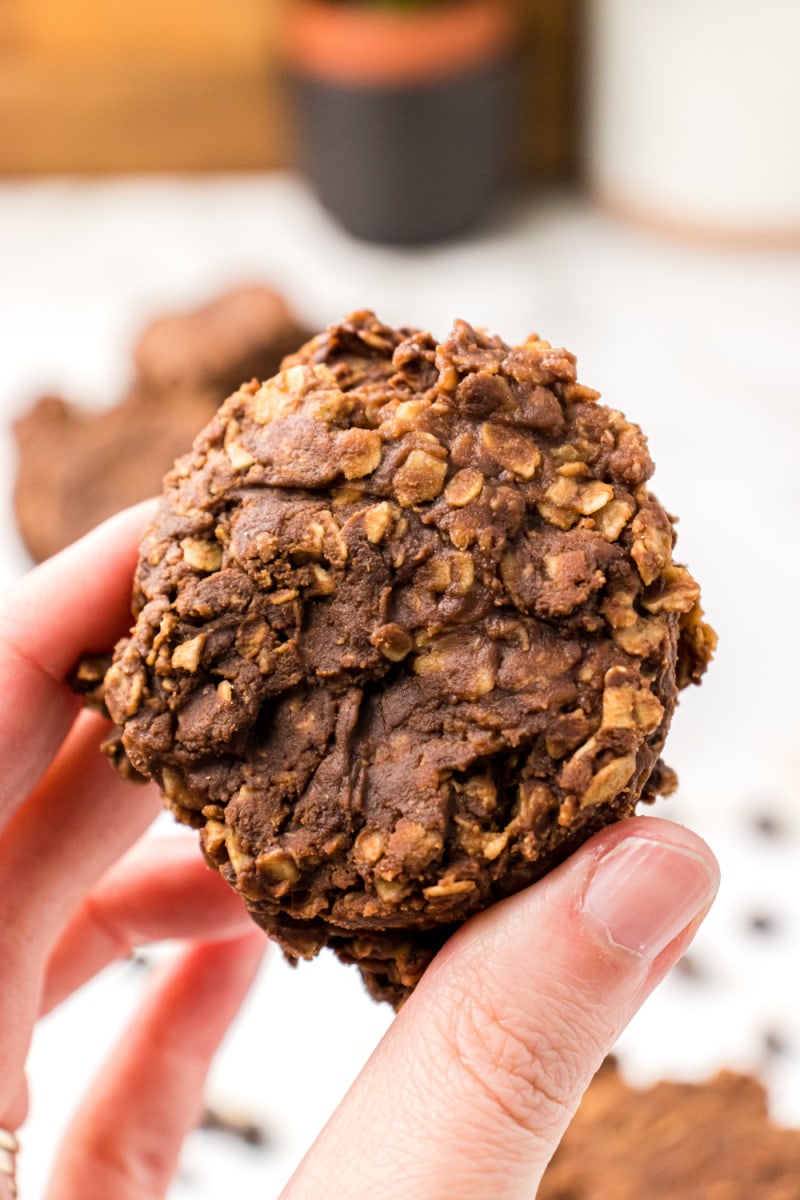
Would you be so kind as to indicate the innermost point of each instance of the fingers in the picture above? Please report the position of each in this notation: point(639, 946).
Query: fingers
point(78, 821)
point(473, 1086)
point(125, 1142)
point(161, 889)
point(76, 602)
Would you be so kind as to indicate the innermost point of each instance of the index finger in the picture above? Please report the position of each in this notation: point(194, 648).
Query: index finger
point(77, 601)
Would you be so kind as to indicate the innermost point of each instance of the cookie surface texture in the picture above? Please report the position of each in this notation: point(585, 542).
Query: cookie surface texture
point(408, 630)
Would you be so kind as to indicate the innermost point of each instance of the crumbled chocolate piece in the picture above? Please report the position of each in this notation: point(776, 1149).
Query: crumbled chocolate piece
point(236, 1125)
point(689, 967)
point(770, 825)
point(409, 629)
point(763, 923)
point(695, 1142)
point(776, 1044)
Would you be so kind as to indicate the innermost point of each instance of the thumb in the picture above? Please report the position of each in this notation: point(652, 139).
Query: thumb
point(471, 1090)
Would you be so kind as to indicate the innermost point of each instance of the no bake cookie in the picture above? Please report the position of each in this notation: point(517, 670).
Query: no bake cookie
point(242, 333)
point(408, 630)
point(710, 1141)
point(77, 466)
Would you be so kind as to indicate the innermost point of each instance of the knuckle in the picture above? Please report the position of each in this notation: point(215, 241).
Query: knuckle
point(122, 1171)
point(525, 1072)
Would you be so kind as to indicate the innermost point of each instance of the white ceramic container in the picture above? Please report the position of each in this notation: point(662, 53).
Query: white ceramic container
point(693, 114)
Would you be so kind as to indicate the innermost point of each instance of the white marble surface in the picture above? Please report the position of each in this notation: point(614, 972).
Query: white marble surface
point(697, 345)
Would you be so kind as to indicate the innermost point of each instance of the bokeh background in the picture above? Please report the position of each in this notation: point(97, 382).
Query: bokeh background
point(195, 85)
point(151, 158)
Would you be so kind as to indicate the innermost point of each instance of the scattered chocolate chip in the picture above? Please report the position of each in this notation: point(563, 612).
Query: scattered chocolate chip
point(763, 923)
point(769, 825)
point(141, 961)
point(776, 1044)
point(688, 967)
point(235, 1125)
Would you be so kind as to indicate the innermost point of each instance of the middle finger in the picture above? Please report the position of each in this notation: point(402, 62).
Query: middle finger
point(161, 889)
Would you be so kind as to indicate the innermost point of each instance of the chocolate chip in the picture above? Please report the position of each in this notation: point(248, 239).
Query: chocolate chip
point(776, 1043)
point(690, 968)
point(243, 1129)
point(140, 961)
point(769, 825)
point(763, 923)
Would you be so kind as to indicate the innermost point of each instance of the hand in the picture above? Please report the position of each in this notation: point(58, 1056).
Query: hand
point(69, 904)
point(470, 1091)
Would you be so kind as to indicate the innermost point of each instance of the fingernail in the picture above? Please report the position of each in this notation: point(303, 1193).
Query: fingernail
point(645, 893)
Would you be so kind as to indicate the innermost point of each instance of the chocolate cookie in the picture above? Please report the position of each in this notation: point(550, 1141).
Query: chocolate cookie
point(241, 334)
point(696, 1142)
point(78, 466)
point(408, 630)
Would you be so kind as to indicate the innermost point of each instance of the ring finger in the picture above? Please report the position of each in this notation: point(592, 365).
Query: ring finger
point(161, 889)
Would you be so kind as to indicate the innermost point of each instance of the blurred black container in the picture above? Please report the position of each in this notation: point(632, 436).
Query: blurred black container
point(404, 112)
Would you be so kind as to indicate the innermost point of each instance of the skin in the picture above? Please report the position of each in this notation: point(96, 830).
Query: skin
point(471, 1089)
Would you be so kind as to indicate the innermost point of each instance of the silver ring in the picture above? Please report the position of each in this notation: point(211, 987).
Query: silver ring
point(9, 1147)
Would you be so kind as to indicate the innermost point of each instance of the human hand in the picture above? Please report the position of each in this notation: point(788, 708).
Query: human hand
point(69, 904)
point(470, 1091)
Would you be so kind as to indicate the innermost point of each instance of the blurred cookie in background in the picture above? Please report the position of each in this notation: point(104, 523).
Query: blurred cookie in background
point(242, 334)
point(77, 466)
point(696, 1141)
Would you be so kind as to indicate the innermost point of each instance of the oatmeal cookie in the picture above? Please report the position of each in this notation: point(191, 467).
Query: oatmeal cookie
point(693, 1141)
point(408, 630)
point(77, 466)
point(240, 334)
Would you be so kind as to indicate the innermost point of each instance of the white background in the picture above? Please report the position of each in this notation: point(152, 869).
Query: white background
point(698, 346)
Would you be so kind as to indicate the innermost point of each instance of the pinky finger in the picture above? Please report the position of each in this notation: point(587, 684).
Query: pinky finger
point(125, 1141)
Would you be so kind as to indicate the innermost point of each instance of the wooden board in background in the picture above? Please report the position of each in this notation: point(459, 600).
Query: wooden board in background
point(183, 85)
